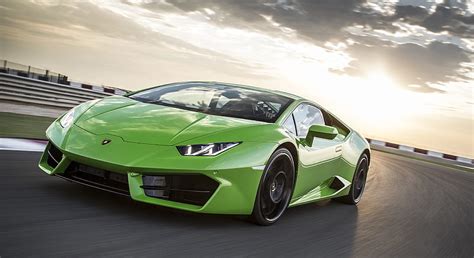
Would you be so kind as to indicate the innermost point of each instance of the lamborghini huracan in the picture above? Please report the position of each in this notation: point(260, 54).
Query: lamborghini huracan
point(210, 147)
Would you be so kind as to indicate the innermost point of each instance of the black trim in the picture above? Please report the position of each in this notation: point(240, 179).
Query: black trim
point(91, 185)
point(97, 178)
point(146, 187)
point(294, 122)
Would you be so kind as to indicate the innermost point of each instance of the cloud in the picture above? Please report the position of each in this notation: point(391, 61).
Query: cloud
point(90, 43)
point(324, 20)
point(22, 15)
point(445, 18)
point(438, 60)
point(410, 64)
point(319, 21)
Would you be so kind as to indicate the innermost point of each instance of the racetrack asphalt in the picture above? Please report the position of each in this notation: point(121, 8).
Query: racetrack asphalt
point(409, 208)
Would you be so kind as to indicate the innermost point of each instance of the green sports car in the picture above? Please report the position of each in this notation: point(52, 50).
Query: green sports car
point(210, 147)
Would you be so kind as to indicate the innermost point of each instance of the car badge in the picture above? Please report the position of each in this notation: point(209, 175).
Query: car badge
point(106, 141)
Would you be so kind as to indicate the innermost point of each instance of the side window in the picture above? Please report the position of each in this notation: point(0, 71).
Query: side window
point(305, 116)
point(332, 121)
point(289, 124)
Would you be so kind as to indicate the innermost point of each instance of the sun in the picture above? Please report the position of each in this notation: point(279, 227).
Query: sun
point(383, 100)
point(382, 91)
point(380, 80)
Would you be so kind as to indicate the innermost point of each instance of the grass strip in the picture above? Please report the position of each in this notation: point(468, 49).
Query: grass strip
point(23, 126)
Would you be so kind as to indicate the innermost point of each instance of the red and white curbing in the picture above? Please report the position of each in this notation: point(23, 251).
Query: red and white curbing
point(425, 152)
point(39, 145)
point(110, 90)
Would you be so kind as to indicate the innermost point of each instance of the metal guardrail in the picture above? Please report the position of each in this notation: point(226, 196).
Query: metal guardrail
point(14, 88)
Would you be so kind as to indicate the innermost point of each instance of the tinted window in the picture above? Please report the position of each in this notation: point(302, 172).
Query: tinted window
point(289, 124)
point(217, 99)
point(332, 121)
point(306, 116)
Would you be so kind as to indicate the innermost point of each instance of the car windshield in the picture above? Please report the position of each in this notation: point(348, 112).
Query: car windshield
point(217, 99)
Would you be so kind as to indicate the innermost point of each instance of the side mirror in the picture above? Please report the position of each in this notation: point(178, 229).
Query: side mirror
point(320, 131)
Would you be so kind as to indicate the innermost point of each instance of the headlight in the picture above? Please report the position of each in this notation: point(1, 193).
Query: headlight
point(211, 149)
point(67, 119)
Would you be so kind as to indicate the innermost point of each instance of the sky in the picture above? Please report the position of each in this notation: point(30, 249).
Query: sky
point(399, 71)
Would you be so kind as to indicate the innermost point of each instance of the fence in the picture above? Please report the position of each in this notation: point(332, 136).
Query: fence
point(31, 72)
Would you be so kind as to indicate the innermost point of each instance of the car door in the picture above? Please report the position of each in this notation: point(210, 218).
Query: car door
point(318, 162)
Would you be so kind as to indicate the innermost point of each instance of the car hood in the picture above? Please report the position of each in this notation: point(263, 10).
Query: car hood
point(139, 122)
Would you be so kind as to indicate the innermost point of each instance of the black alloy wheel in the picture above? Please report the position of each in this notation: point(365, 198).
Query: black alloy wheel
point(358, 182)
point(276, 187)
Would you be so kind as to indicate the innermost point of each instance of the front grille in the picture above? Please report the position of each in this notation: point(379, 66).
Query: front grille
point(191, 189)
point(97, 178)
point(54, 156)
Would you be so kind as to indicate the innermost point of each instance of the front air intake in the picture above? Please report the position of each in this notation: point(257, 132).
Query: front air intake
point(54, 156)
point(97, 178)
point(191, 189)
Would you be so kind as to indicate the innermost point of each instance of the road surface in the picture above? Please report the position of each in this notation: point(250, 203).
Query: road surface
point(410, 208)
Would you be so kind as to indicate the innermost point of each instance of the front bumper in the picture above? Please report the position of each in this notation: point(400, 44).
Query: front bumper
point(236, 184)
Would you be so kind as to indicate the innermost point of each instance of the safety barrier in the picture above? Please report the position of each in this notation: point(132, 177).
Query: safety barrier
point(418, 151)
point(14, 88)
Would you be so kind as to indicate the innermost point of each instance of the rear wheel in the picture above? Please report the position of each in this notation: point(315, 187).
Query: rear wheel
point(276, 186)
point(358, 182)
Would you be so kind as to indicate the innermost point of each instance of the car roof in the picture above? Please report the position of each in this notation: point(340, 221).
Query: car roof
point(281, 93)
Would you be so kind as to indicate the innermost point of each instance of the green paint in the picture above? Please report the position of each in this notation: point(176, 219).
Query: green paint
point(144, 139)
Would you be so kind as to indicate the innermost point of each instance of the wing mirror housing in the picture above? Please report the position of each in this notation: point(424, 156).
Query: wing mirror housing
point(321, 131)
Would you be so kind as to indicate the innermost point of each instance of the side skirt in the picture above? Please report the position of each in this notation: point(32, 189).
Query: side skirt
point(331, 188)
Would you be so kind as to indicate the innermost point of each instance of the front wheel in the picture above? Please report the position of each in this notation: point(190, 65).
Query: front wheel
point(358, 182)
point(276, 186)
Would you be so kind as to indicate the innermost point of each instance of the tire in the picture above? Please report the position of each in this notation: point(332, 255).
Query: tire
point(358, 182)
point(275, 188)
